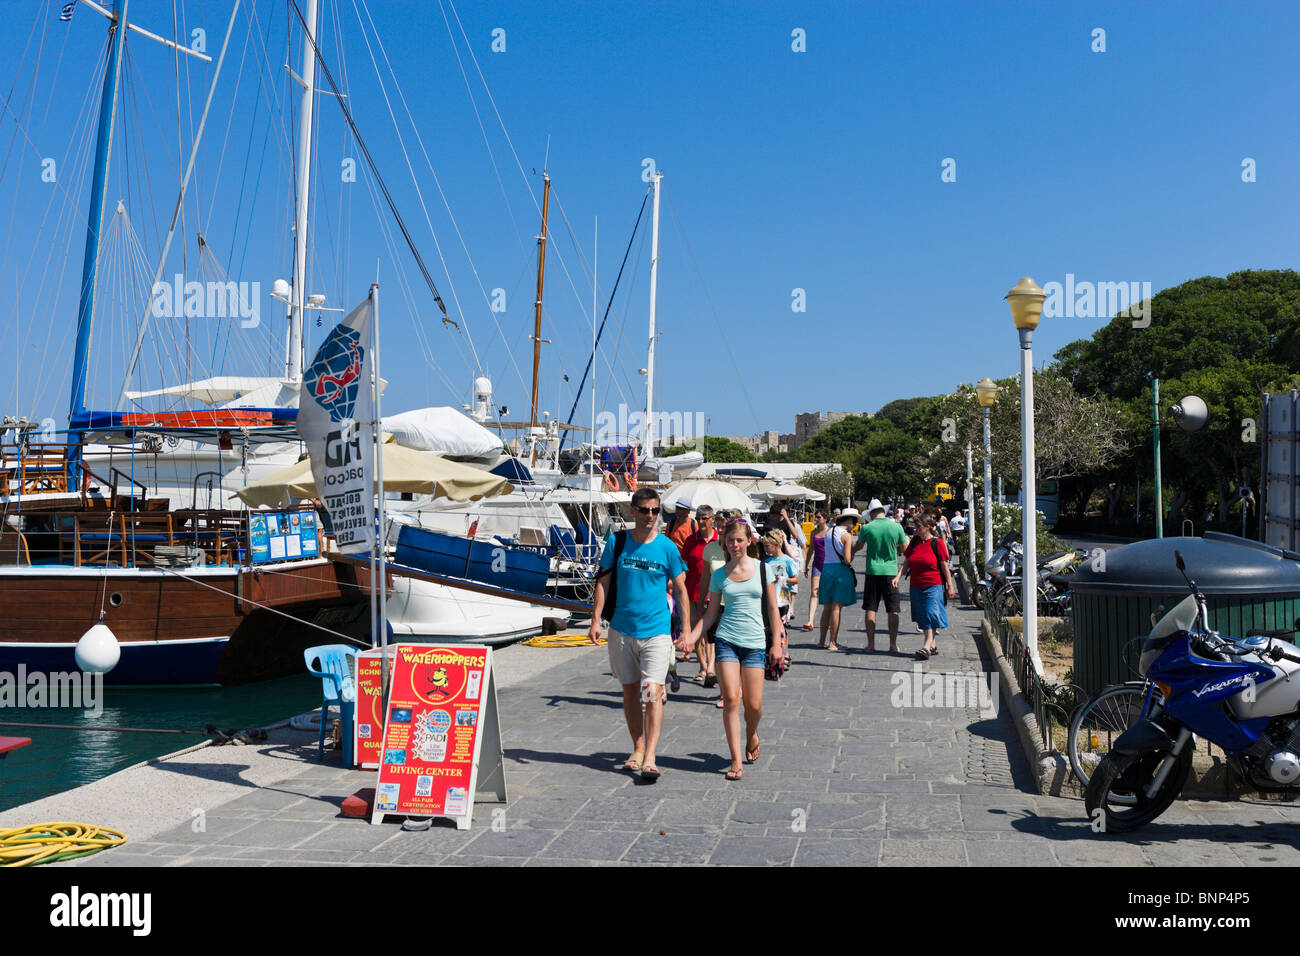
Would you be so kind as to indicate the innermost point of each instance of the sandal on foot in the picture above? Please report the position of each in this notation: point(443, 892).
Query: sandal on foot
point(752, 755)
point(807, 627)
point(735, 774)
point(632, 764)
point(650, 774)
point(922, 655)
point(710, 680)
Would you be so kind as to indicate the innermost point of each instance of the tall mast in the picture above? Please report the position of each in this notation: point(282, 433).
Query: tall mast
point(95, 219)
point(293, 350)
point(648, 432)
point(537, 306)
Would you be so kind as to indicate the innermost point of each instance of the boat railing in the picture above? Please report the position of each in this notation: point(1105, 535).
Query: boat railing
point(194, 496)
point(31, 468)
point(190, 537)
point(88, 475)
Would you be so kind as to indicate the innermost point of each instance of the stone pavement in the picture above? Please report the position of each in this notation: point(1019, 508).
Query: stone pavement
point(845, 778)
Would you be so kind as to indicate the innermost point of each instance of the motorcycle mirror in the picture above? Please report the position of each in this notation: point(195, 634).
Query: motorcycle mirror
point(1178, 556)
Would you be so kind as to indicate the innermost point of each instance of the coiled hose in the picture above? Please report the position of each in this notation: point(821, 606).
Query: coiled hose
point(52, 842)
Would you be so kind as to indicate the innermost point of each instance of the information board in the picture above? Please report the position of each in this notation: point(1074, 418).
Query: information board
point(278, 536)
point(368, 726)
point(441, 716)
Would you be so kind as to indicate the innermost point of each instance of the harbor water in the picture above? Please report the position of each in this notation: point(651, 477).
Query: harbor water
point(59, 760)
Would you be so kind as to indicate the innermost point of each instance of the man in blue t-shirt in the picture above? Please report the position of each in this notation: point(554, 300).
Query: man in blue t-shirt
point(640, 640)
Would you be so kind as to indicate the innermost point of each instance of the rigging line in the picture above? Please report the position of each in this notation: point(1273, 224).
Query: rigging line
point(622, 328)
point(595, 346)
point(581, 297)
point(483, 130)
point(248, 151)
point(17, 73)
point(230, 120)
point(712, 308)
point(374, 170)
point(401, 141)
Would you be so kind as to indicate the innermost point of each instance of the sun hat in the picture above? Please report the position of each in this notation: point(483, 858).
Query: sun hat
point(848, 513)
point(875, 506)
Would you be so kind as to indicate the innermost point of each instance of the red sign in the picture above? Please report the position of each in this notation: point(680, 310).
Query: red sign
point(431, 731)
point(368, 744)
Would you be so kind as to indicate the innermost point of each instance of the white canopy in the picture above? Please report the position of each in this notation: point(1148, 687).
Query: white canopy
point(706, 491)
point(792, 492)
point(443, 431)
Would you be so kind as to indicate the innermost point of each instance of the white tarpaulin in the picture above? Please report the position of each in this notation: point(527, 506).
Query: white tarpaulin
point(443, 431)
point(336, 397)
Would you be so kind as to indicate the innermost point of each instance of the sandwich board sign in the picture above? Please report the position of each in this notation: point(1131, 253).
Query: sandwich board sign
point(442, 737)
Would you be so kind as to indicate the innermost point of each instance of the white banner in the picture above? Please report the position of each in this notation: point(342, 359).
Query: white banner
point(334, 413)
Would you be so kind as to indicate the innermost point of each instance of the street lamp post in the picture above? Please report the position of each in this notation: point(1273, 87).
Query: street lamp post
point(1026, 302)
point(988, 394)
point(970, 507)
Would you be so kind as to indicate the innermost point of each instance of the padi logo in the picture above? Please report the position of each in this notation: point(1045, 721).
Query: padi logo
point(1211, 688)
point(342, 447)
point(74, 908)
point(335, 376)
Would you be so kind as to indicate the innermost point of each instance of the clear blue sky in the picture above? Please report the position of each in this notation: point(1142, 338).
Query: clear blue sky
point(817, 170)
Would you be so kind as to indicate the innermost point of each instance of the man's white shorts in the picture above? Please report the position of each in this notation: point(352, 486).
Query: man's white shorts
point(636, 661)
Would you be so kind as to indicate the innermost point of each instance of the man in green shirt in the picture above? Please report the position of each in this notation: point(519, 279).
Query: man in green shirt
point(882, 539)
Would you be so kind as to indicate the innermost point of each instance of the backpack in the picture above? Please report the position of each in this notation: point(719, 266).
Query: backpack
point(611, 588)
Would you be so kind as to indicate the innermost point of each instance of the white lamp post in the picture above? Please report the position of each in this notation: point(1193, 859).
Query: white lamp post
point(1026, 302)
point(988, 394)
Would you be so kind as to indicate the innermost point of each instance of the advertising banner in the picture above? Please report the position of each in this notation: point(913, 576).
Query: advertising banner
point(368, 744)
point(441, 715)
point(335, 410)
point(278, 536)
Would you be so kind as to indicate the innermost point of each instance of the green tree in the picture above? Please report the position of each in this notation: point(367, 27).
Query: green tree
point(716, 448)
point(835, 483)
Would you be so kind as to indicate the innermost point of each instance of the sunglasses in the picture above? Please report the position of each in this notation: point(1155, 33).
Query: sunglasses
point(646, 511)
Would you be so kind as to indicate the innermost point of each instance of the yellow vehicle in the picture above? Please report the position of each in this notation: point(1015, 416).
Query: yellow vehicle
point(942, 494)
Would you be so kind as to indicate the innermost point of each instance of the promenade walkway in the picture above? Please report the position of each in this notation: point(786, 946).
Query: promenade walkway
point(845, 778)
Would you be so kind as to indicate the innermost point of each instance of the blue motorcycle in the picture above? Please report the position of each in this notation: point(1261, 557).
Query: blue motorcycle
point(1242, 695)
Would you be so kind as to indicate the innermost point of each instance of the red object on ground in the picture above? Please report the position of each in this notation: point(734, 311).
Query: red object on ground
point(359, 804)
point(13, 743)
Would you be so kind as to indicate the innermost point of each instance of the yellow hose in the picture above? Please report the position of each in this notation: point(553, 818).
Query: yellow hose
point(561, 640)
point(52, 842)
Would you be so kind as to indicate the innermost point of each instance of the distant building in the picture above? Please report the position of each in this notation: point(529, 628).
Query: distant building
point(808, 424)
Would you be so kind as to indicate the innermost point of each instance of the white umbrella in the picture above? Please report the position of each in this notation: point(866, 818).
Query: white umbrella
point(792, 492)
point(706, 491)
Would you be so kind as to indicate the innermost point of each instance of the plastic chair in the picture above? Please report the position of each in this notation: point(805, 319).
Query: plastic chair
point(338, 663)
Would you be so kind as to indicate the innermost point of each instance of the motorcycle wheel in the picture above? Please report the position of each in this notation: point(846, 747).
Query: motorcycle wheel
point(1008, 601)
point(980, 597)
point(1126, 778)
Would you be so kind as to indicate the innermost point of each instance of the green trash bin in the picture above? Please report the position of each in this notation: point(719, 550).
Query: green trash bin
point(1246, 585)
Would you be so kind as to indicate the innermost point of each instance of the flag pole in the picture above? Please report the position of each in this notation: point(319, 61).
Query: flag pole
point(381, 538)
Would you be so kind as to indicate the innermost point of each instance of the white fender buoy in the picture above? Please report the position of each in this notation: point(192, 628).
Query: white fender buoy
point(98, 651)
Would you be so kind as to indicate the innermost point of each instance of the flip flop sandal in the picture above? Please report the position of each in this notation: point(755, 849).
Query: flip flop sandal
point(735, 774)
point(710, 680)
point(752, 755)
point(650, 774)
point(632, 765)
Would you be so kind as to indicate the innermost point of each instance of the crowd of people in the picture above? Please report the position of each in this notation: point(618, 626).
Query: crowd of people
point(713, 586)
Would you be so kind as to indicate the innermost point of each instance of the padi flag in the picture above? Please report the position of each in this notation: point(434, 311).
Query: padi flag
point(335, 410)
point(66, 13)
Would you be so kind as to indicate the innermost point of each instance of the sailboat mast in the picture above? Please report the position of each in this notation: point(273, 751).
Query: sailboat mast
point(648, 435)
point(537, 306)
point(94, 223)
point(294, 349)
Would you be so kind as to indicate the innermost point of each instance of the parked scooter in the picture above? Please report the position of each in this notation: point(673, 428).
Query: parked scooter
point(1239, 694)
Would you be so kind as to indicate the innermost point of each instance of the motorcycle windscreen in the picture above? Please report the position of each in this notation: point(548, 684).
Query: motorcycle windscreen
point(1178, 619)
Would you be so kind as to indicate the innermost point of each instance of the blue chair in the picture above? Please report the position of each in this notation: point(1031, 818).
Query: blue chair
point(338, 664)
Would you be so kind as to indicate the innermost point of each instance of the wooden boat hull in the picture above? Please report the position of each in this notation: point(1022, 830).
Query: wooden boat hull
point(192, 626)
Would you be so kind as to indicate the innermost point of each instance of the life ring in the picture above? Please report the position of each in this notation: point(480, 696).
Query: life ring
point(630, 480)
point(611, 483)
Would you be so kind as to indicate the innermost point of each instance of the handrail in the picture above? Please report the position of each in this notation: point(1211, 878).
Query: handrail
point(194, 495)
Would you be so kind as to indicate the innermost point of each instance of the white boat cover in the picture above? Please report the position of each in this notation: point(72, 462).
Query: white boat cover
point(444, 431)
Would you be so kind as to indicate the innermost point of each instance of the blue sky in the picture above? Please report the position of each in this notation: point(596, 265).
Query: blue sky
point(817, 170)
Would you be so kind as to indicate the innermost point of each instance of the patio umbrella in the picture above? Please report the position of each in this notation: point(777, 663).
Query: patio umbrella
point(404, 470)
point(706, 491)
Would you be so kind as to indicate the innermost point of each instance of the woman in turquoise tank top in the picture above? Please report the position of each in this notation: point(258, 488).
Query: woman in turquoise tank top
point(740, 641)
